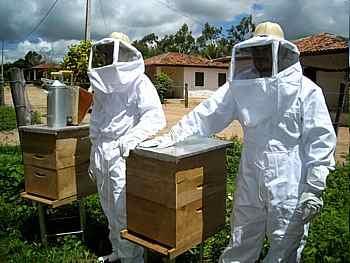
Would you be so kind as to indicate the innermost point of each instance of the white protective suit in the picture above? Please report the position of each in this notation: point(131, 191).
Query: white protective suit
point(287, 153)
point(126, 111)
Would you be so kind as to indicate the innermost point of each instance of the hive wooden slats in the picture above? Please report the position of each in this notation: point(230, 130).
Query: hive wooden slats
point(173, 206)
point(56, 164)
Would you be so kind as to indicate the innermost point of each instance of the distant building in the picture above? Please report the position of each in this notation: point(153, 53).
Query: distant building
point(40, 71)
point(199, 73)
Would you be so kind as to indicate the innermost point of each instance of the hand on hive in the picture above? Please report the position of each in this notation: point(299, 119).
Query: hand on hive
point(159, 142)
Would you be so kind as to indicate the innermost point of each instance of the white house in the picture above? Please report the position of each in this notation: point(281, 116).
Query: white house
point(200, 74)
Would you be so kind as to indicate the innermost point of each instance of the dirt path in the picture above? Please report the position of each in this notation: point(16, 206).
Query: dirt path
point(343, 145)
point(174, 111)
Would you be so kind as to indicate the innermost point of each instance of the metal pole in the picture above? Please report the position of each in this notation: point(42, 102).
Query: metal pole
point(82, 215)
point(186, 95)
point(41, 213)
point(88, 20)
point(2, 91)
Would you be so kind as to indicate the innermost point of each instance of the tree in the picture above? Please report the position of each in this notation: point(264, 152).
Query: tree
point(148, 45)
point(241, 31)
point(31, 59)
point(77, 60)
point(162, 83)
point(183, 41)
point(210, 35)
point(211, 44)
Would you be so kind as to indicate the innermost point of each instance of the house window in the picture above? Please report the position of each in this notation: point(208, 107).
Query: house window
point(221, 79)
point(199, 79)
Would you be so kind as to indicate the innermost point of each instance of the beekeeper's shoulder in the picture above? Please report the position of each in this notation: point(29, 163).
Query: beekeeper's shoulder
point(309, 89)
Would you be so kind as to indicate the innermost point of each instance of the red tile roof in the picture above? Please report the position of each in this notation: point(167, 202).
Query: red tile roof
point(46, 66)
point(179, 59)
point(321, 43)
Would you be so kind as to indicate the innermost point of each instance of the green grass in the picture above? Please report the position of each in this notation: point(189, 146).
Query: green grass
point(7, 118)
point(19, 229)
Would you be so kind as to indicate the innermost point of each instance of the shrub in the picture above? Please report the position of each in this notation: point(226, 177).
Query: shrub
point(77, 60)
point(36, 117)
point(329, 238)
point(7, 118)
point(162, 83)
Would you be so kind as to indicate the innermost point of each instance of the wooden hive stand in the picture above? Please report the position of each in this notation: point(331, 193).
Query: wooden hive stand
point(56, 162)
point(42, 203)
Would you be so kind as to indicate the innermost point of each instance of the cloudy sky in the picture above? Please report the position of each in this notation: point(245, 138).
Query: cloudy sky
point(19, 19)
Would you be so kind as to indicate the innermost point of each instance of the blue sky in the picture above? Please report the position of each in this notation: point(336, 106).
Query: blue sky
point(65, 23)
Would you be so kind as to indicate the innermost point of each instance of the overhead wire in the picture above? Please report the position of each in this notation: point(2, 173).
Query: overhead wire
point(42, 20)
point(173, 8)
point(103, 15)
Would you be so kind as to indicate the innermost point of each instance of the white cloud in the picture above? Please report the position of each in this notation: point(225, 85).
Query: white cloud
point(300, 18)
point(138, 18)
point(52, 50)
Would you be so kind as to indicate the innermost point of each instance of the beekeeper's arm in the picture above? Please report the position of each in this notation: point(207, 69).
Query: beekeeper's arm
point(319, 141)
point(208, 118)
point(152, 118)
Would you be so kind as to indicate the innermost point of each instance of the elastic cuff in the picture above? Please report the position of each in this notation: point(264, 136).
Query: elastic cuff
point(316, 179)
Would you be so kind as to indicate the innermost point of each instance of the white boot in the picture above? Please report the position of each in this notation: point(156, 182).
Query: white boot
point(108, 259)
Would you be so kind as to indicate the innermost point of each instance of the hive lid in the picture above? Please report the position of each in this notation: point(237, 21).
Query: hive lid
point(44, 129)
point(192, 146)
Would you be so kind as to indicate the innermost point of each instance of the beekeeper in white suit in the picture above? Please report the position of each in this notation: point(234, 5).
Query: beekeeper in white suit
point(288, 145)
point(126, 111)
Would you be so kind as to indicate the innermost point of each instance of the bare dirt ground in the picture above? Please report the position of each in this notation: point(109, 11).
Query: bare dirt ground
point(174, 110)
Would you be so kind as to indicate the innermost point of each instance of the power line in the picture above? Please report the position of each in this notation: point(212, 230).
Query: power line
point(166, 4)
point(103, 15)
point(42, 20)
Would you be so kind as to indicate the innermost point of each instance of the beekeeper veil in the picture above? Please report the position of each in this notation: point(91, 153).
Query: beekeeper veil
point(265, 75)
point(114, 64)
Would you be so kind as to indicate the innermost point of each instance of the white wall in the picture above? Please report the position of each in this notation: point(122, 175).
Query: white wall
point(210, 77)
point(330, 84)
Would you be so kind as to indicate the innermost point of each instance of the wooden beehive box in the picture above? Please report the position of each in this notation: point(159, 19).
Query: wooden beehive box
point(175, 197)
point(56, 161)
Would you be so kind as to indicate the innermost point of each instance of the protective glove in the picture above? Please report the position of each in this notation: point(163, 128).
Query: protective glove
point(159, 142)
point(125, 145)
point(108, 259)
point(309, 206)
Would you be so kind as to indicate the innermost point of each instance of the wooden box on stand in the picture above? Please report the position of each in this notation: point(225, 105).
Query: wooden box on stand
point(56, 161)
point(175, 197)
